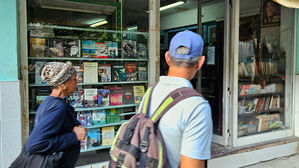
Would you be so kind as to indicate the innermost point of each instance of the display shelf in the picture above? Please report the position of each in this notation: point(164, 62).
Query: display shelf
point(96, 148)
point(280, 110)
point(99, 83)
point(260, 95)
point(108, 107)
point(86, 59)
point(107, 125)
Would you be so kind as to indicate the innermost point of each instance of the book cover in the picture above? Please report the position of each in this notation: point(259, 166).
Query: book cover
point(128, 95)
point(79, 71)
point(118, 72)
point(37, 47)
point(93, 137)
point(112, 49)
point(76, 99)
point(116, 96)
point(113, 115)
point(40, 95)
point(101, 50)
point(104, 72)
point(90, 98)
point(131, 71)
point(138, 93)
point(83, 144)
point(99, 117)
point(90, 72)
point(129, 48)
point(103, 97)
point(88, 48)
point(38, 68)
point(55, 48)
point(72, 48)
point(85, 118)
point(142, 71)
point(142, 51)
point(107, 135)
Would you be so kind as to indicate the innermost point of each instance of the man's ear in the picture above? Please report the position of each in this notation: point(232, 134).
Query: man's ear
point(167, 57)
point(200, 62)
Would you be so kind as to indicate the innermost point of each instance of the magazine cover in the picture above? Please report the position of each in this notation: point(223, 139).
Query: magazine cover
point(104, 97)
point(118, 72)
point(93, 137)
point(72, 48)
point(88, 48)
point(99, 117)
point(142, 71)
point(83, 144)
point(90, 72)
point(104, 72)
point(38, 67)
point(138, 93)
point(76, 99)
point(142, 51)
point(55, 48)
point(79, 70)
point(90, 98)
point(131, 71)
point(107, 135)
point(113, 49)
point(129, 48)
point(113, 115)
point(116, 96)
point(101, 50)
point(128, 95)
point(85, 118)
point(37, 47)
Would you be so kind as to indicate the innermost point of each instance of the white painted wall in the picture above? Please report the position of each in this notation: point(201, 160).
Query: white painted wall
point(296, 110)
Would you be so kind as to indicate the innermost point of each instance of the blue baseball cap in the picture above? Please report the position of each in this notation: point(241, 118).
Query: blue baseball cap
point(188, 39)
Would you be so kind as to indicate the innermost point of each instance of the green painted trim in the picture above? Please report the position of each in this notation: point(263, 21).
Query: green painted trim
point(95, 2)
point(297, 44)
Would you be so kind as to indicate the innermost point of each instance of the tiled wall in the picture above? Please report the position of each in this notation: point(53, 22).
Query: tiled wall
point(10, 122)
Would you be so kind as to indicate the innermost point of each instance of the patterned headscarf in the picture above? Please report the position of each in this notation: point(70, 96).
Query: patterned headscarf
point(56, 73)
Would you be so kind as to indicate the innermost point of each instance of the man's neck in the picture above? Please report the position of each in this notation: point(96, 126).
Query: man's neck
point(180, 72)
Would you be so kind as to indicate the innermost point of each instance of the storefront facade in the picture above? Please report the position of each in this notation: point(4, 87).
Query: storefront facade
point(253, 60)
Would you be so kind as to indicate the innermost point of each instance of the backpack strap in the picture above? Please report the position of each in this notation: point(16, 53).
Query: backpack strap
point(173, 98)
point(148, 97)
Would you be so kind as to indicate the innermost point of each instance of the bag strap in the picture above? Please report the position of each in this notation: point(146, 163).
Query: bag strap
point(170, 100)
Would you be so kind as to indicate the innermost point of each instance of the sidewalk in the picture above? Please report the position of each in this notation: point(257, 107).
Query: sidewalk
point(283, 162)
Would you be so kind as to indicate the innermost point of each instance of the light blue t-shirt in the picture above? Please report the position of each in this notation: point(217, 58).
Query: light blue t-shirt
point(187, 127)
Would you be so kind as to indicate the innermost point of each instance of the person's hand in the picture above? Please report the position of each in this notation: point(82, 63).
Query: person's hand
point(80, 132)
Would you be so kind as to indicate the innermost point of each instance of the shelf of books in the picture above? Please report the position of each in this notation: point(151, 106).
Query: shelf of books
point(261, 89)
point(112, 75)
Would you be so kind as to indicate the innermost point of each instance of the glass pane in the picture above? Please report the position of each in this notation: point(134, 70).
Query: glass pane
point(265, 47)
point(212, 70)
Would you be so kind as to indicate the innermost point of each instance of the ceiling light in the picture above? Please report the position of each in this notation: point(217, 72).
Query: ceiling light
point(172, 5)
point(99, 23)
point(132, 28)
point(288, 3)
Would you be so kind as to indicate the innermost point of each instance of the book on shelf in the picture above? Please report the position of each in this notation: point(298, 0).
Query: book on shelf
point(37, 47)
point(265, 121)
point(90, 72)
point(99, 117)
point(129, 48)
point(85, 118)
point(88, 49)
point(128, 95)
point(142, 51)
point(142, 71)
point(101, 50)
point(275, 102)
point(104, 97)
point(38, 68)
point(113, 115)
point(76, 99)
point(83, 144)
point(138, 93)
point(118, 72)
point(131, 71)
point(116, 96)
point(244, 90)
point(79, 71)
point(112, 49)
point(107, 135)
point(56, 48)
point(90, 98)
point(105, 72)
point(93, 137)
point(72, 48)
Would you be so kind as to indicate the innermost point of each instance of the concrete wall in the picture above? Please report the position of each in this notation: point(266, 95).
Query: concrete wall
point(10, 104)
point(296, 116)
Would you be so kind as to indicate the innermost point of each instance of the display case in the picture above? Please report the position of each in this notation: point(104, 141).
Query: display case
point(112, 74)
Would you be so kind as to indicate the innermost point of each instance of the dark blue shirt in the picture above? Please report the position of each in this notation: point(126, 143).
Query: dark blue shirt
point(54, 131)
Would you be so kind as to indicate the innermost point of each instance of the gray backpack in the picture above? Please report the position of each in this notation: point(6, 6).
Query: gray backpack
point(138, 142)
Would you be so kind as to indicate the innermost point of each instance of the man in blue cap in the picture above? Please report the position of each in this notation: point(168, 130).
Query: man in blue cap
point(187, 126)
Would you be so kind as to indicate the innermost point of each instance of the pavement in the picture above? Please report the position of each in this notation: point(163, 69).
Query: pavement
point(283, 162)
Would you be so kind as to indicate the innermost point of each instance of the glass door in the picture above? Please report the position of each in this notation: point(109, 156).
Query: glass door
point(214, 75)
point(263, 71)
